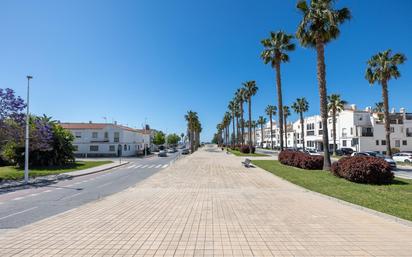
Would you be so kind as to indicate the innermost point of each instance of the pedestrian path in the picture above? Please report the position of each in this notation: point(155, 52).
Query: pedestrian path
point(147, 166)
point(208, 204)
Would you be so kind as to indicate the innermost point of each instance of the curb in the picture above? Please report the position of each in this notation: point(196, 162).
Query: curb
point(343, 202)
point(96, 171)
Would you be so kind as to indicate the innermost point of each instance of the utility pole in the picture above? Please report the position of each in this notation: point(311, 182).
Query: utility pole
point(26, 150)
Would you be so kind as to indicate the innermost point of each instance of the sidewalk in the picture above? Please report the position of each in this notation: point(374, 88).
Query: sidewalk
point(208, 204)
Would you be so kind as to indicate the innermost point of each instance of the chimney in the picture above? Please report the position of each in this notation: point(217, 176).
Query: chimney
point(353, 107)
point(402, 110)
point(393, 110)
point(368, 109)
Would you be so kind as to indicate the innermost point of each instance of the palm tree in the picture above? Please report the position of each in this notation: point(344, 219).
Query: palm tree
point(379, 110)
point(182, 135)
point(335, 106)
point(270, 111)
point(301, 106)
point(191, 118)
point(261, 121)
point(237, 114)
point(250, 90)
point(254, 125)
point(286, 114)
point(319, 26)
point(232, 108)
point(275, 52)
point(381, 68)
point(226, 121)
point(241, 98)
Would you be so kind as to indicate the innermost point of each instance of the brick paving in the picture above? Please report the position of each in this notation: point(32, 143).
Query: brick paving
point(207, 204)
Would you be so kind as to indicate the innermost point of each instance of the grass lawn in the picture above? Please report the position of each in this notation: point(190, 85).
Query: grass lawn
point(237, 153)
point(404, 163)
point(395, 199)
point(13, 173)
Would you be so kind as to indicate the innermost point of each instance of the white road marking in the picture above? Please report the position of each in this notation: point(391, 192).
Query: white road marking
point(151, 166)
point(144, 166)
point(70, 196)
point(138, 166)
point(18, 198)
point(105, 184)
point(16, 213)
point(158, 166)
point(47, 191)
point(164, 166)
point(34, 194)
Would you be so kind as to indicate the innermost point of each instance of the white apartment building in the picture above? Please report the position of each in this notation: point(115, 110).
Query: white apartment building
point(361, 130)
point(107, 140)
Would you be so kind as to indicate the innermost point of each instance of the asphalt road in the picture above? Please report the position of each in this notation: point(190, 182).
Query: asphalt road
point(25, 206)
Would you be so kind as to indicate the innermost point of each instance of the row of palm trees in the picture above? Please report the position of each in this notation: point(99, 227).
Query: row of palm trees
point(194, 128)
point(319, 26)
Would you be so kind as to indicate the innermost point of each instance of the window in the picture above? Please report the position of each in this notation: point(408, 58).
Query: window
point(125, 147)
point(320, 125)
point(95, 134)
point(392, 129)
point(129, 147)
point(397, 143)
point(94, 148)
point(351, 131)
point(112, 148)
point(343, 142)
point(404, 142)
point(383, 142)
point(76, 148)
point(106, 135)
point(344, 134)
point(116, 137)
point(409, 132)
point(377, 142)
point(78, 134)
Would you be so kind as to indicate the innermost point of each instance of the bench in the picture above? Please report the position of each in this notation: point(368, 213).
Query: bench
point(246, 162)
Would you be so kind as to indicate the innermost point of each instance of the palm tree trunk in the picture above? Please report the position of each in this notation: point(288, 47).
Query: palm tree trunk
point(302, 130)
point(243, 124)
point(237, 130)
point(261, 131)
point(250, 123)
point(286, 131)
point(271, 133)
point(387, 119)
point(233, 126)
point(334, 130)
point(321, 72)
point(280, 103)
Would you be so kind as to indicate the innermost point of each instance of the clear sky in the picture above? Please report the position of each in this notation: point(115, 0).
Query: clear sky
point(157, 59)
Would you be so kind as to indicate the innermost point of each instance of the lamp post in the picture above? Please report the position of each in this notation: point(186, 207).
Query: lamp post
point(26, 150)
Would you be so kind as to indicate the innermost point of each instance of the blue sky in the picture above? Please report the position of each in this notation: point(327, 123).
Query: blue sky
point(131, 60)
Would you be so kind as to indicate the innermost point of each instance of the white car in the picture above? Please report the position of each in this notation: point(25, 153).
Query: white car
point(402, 157)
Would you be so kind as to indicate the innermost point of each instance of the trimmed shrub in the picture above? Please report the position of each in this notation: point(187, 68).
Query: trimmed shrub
point(301, 160)
point(363, 169)
point(395, 150)
point(245, 149)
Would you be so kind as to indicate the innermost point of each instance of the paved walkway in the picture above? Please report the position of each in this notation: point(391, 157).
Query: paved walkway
point(207, 204)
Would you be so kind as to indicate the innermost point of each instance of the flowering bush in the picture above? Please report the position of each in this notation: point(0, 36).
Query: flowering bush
point(363, 169)
point(301, 160)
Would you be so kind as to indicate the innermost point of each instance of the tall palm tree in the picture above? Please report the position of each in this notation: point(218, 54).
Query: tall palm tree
point(301, 106)
point(381, 68)
point(232, 108)
point(226, 120)
point(237, 114)
point(286, 114)
point(275, 52)
point(319, 26)
point(241, 98)
point(254, 125)
point(250, 90)
point(379, 110)
point(182, 135)
point(335, 106)
point(270, 111)
point(261, 121)
point(191, 118)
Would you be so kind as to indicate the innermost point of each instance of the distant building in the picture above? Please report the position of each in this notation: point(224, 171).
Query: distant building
point(107, 140)
point(361, 130)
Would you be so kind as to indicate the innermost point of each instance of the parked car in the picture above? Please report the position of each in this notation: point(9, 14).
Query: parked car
point(344, 151)
point(162, 153)
point(185, 151)
point(172, 150)
point(403, 157)
point(390, 161)
point(312, 152)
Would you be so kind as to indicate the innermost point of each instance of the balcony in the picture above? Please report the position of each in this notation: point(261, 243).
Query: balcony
point(310, 133)
point(367, 134)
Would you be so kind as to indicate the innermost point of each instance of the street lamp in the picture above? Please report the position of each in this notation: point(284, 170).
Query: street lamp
point(26, 150)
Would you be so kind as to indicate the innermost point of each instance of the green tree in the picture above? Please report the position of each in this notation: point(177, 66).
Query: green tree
point(241, 98)
point(275, 52)
point(232, 108)
point(250, 90)
point(261, 121)
point(173, 139)
point(159, 138)
point(286, 114)
point(335, 106)
point(381, 68)
point(379, 110)
point(301, 106)
point(270, 111)
point(319, 26)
